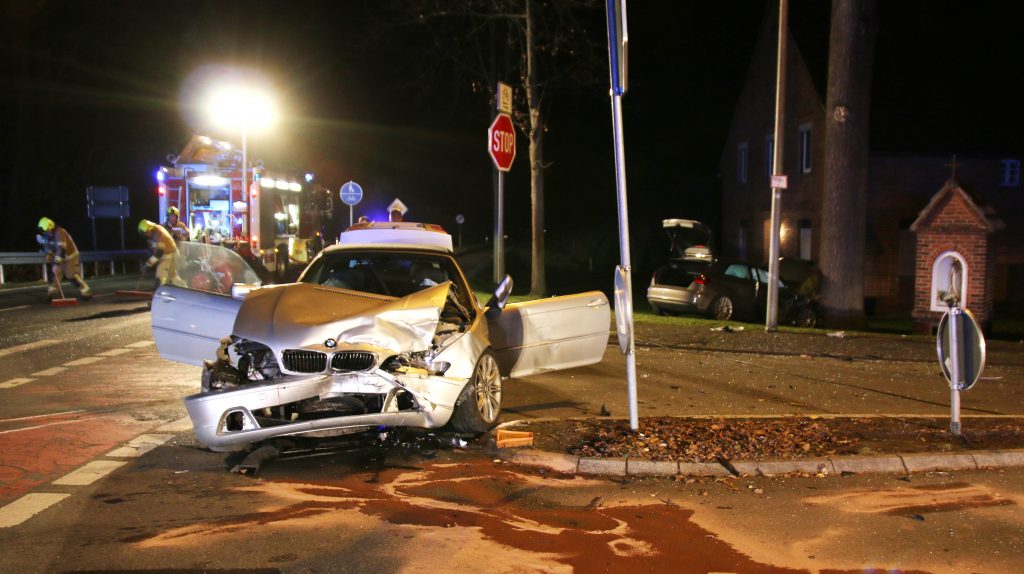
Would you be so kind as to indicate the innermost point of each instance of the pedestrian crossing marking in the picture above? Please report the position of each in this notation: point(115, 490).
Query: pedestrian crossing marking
point(89, 473)
point(28, 506)
point(114, 352)
point(140, 344)
point(49, 372)
point(11, 383)
point(140, 445)
point(83, 361)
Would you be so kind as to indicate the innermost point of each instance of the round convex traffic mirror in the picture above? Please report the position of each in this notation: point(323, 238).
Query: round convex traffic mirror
point(971, 340)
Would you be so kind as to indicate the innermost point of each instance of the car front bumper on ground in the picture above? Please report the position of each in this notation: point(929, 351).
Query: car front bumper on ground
point(230, 420)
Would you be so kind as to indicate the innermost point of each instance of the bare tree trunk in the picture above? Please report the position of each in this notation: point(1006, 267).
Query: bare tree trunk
point(538, 281)
point(843, 222)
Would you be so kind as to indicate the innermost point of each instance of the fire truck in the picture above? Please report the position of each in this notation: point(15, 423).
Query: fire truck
point(277, 224)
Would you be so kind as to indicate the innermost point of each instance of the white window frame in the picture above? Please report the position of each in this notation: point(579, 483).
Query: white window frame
point(1011, 173)
point(806, 235)
point(742, 161)
point(806, 152)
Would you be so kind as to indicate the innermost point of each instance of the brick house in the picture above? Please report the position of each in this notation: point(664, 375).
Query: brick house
point(899, 187)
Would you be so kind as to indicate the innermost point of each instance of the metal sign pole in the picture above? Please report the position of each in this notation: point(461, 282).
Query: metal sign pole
point(350, 208)
point(499, 231)
point(772, 313)
point(617, 45)
point(955, 359)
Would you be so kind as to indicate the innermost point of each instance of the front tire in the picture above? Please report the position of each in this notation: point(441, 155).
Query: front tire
point(722, 308)
point(479, 404)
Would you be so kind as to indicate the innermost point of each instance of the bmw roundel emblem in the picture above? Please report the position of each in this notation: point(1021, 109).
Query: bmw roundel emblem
point(330, 343)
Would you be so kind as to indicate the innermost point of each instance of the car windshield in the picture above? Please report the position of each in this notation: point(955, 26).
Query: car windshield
point(394, 274)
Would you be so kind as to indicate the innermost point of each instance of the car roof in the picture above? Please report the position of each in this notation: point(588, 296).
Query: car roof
point(405, 234)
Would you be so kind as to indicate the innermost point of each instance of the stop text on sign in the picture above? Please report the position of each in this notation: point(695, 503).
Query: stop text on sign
point(501, 142)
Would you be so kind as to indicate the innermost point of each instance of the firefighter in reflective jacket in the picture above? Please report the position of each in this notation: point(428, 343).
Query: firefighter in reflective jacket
point(179, 231)
point(62, 253)
point(163, 251)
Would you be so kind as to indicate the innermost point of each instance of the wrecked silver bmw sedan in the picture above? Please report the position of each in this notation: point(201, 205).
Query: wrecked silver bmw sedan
point(381, 329)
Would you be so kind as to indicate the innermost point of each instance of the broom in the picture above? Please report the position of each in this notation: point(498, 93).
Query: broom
point(62, 302)
point(136, 292)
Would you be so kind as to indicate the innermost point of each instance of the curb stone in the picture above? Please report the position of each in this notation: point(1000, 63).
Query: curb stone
point(808, 465)
point(999, 458)
point(605, 466)
point(652, 468)
point(893, 464)
point(925, 462)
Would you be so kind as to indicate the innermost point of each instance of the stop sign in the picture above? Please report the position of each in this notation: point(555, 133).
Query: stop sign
point(501, 142)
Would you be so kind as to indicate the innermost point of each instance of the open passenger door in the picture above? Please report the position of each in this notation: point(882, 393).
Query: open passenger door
point(550, 334)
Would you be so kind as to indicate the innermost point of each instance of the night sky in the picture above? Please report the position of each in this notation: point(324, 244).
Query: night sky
point(99, 93)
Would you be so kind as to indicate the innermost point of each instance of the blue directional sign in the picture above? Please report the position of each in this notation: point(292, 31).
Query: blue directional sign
point(351, 193)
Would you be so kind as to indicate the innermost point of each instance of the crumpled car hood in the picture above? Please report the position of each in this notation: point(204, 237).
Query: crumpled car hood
point(304, 315)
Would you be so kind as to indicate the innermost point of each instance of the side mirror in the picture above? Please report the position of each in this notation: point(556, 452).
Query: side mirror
point(501, 293)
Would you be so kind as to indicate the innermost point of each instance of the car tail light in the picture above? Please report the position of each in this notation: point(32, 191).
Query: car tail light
point(701, 280)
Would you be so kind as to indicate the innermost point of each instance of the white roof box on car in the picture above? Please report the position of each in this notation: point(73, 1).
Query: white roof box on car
point(397, 233)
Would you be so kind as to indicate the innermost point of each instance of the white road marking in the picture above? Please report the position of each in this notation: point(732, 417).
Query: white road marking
point(181, 425)
point(60, 414)
point(89, 473)
point(13, 308)
point(140, 445)
point(139, 344)
point(28, 346)
point(114, 352)
point(28, 506)
point(11, 383)
point(49, 372)
point(83, 361)
point(47, 425)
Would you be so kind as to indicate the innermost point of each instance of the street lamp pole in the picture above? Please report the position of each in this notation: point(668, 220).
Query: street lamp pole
point(772, 313)
point(245, 187)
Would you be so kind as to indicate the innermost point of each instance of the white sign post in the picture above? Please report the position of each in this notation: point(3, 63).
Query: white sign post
point(501, 146)
point(618, 40)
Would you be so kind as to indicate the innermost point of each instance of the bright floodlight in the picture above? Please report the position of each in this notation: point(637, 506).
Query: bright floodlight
point(242, 109)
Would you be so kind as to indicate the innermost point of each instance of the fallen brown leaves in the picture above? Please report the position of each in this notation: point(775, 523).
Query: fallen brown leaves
point(667, 438)
point(711, 440)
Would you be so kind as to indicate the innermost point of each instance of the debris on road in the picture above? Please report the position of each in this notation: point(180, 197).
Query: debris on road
point(509, 439)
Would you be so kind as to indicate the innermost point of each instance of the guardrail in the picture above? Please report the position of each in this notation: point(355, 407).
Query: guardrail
point(95, 257)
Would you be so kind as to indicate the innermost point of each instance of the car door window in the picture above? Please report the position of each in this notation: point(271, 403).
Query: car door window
point(738, 271)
